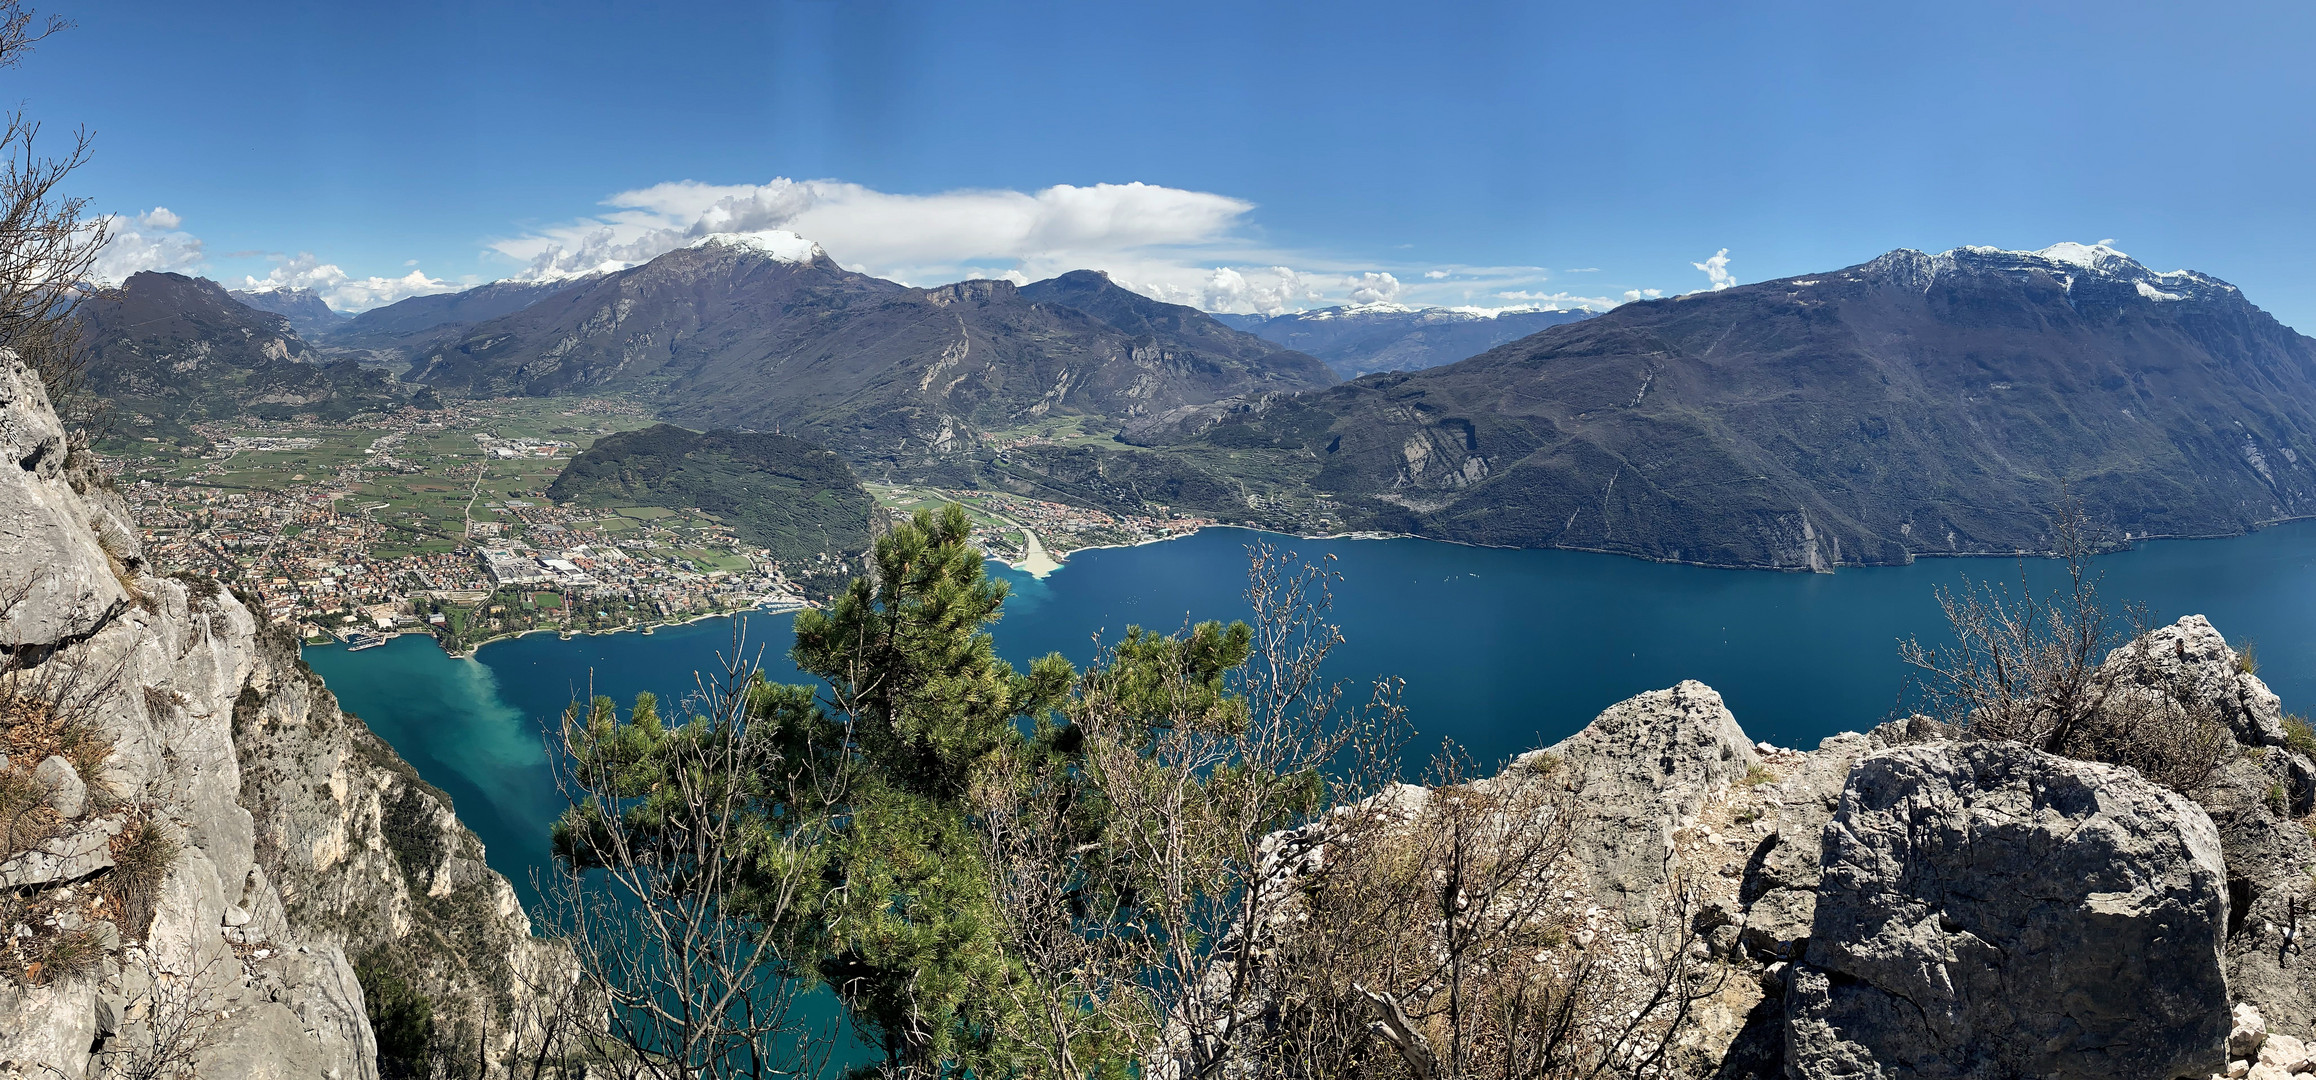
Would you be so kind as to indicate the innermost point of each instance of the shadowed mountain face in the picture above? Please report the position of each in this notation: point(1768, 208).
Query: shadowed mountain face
point(304, 309)
point(730, 334)
point(167, 350)
point(1915, 404)
point(1364, 338)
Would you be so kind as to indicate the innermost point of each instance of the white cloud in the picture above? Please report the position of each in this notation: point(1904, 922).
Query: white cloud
point(157, 240)
point(926, 238)
point(1631, 295)
point(1373, 288)
point(147, 241)
point(1178, 245)
point(1265, 290)
point(1560, 301)
point(1717, 270)
point(344, 291)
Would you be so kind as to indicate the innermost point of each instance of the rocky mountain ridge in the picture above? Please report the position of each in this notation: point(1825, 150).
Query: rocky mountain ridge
point(412, 325)
point(1360, 339)
point(1910, 405)
point(726, 334)
point(165, 351)
point(212, 850)
point(307, 313)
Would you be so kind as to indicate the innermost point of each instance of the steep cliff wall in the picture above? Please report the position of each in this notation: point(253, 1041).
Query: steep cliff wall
point(200, 847)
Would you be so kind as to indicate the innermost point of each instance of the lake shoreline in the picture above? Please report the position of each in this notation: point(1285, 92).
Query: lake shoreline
point(2130, 544)
point(567, 635)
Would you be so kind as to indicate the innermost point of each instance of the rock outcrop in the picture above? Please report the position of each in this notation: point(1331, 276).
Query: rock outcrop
point(155, 917)
point(1906, 902)
point(1990, 910)
point(1644, 769)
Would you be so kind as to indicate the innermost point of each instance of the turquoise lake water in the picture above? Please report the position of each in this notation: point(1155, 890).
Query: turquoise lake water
point(1501, 650)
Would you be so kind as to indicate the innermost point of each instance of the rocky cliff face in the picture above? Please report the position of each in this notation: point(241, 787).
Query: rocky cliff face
point(200, 848)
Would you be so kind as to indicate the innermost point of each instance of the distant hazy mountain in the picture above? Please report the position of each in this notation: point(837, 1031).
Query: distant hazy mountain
point(1361, 338)
point(761, 333)
point(302, 307)
point(166, 350)
point(420, 321)
point(776, 491)
point(1915, 404)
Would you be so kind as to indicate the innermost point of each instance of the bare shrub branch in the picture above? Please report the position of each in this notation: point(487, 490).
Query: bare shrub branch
point(48, 244)
point(2026, 668)
point(672, 880)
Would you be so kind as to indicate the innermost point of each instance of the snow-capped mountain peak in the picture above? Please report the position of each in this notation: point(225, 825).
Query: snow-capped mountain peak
point(2073, 264)
point(777, 243)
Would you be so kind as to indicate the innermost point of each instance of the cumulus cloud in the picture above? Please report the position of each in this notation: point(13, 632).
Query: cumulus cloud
point(156, 240)
point(1264, 290)
point(149, 241)
point(924, 238)
point(1717, 270)
point(1373, 288)
point(1631, 295)
point(341, 290)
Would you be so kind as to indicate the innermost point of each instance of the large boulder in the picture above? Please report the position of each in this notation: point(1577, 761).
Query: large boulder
point(1642, 770)
point(2190, 662)
point(1987, 910)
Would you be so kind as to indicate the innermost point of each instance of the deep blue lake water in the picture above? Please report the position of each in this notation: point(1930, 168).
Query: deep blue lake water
point(1501, 650)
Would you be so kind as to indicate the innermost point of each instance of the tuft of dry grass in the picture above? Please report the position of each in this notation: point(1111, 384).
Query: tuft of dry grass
point(25, 819)
point(2299, 736)
point(61, 956)
point(47, 954)
point(32, 729)
point(142, 856)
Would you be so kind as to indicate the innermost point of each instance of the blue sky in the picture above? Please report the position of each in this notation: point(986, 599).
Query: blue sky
point(1512, 152)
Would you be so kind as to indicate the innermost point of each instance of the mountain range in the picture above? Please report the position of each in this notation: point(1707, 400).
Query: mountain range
point(1357, 339)
point(1911, 405)
point(307, 313)
point(741, 332)
point(1915, 404)
point(420, 322)
point(166, 350)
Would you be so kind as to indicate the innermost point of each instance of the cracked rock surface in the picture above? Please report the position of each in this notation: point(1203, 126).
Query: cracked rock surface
point(1990, 910)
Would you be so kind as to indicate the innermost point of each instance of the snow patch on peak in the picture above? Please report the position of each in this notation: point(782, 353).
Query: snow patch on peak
point(2153, 293)
point(1452, 313)
point(2088, 256)
point(777, 243)
point(1352, 311)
